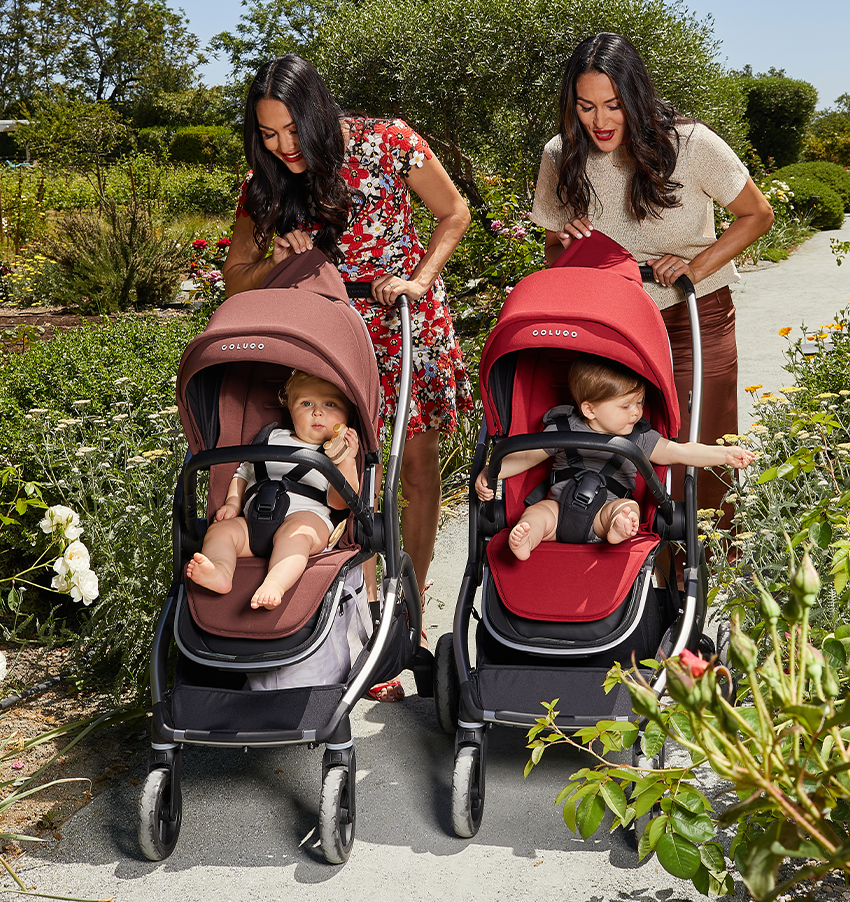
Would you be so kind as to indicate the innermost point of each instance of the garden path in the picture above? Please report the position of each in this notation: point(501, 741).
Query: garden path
point(807, 288)
point(250, 818)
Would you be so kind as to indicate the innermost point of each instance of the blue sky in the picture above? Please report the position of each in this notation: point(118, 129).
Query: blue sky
point(810, 40)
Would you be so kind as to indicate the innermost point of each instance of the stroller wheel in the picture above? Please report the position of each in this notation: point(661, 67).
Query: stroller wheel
point(446, 690)
point(159, 819)
point(468, 791)
point(336, 815)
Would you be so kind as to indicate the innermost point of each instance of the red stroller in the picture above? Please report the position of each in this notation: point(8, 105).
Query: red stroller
point(227, 391)
point(551, 627)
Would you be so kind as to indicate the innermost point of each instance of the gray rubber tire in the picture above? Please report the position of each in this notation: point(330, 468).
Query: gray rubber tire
point(446, 689)
point(336, 826)
point(467, 791)
point(158, 825)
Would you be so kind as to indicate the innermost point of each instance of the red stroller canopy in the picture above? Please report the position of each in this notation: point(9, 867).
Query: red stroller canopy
point(590, 301)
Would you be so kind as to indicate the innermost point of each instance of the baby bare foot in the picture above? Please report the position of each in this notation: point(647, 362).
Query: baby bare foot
point(624, 525)
point(268, 596)
point(202, 571)
point(519, 541)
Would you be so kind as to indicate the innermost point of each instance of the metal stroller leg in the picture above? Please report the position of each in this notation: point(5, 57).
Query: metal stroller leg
point(337, 809)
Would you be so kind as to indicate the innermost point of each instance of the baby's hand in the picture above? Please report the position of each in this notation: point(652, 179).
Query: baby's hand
point(344, 444)
point(482, 489)
point(227, 511)
point(739, 457)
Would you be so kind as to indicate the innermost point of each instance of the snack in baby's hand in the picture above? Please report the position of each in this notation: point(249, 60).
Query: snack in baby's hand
point(336, 448)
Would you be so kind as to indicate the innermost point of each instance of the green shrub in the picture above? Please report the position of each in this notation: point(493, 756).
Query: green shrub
point(117, 262)
point(155, 141)
point(829, 135)
point(818, 201)
point(22, 205)
point(837, 177)
point(205, 144)
point(779, 110)
point(90, 415)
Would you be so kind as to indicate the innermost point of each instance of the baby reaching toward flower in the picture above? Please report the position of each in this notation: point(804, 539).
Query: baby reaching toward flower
point(609, 399)
point(319, 412)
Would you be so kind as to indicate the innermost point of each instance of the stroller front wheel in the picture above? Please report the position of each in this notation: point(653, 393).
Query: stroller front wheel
point(446, 689)
point(160, 815)
point(336, 815)
point(468, 791)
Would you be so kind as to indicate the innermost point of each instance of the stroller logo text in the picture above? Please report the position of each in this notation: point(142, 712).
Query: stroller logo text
point(565, 332)
point(243, 347)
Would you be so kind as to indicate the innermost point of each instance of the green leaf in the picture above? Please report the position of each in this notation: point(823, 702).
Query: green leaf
point(712, 857)
point(809, 715)
point(767, 476)
point(757, 864)
point(820, 534)
point(787, 470)
point(589, 815)
point(835, 653)
point(695, 827)
point(644, 801)
point(678, 856)
point(656, 828)
point(653, 739)
point(843, 631)
point(614, 797)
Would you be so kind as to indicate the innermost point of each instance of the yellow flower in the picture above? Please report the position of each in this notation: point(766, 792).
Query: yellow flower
point(827, 394)
point(790, 389)
point(750, 388)
point(785, 330)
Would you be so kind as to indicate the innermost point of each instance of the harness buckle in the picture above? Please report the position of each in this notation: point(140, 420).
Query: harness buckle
point(588, 485)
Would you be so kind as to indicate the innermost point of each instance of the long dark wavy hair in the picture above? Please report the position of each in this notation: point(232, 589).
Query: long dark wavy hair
point(277, 200)
point(651, 139)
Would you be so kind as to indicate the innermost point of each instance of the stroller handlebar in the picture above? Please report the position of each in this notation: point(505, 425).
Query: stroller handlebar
point(204, 460)
point(683, 283)
point(614, 443)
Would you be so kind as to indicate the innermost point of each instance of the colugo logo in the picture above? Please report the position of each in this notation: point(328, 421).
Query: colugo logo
point(565, 332)
point(243, 346)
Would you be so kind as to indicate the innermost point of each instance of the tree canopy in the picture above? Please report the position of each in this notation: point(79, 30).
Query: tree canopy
point(480, 78)
point(115, 50)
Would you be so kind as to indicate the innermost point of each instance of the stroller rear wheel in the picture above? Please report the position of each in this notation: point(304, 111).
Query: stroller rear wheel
point(468, 791)
point(336, 815)
point(159, 815)
point(446, 689)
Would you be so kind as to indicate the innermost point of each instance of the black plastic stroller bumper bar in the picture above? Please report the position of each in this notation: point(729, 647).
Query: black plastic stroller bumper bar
point(615, 444)
point(203, 460)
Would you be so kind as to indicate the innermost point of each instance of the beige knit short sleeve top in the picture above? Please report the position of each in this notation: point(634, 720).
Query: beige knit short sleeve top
point(706, 167)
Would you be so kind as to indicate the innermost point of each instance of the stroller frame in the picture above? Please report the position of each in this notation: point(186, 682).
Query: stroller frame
point(328, 721)
point(457, 695)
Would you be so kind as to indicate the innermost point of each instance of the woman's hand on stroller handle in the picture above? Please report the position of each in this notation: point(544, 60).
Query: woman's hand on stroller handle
point(386, 290)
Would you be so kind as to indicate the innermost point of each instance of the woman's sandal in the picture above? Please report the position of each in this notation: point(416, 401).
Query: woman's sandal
point(391, 691)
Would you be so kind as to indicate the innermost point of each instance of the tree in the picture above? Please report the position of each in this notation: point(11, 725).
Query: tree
point(480, 78)
point(829, 135)
point(267, 30)
point(68, 132)
point(779, 111)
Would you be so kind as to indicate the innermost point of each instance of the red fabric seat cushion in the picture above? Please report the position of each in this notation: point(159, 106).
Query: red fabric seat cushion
point(567, 583)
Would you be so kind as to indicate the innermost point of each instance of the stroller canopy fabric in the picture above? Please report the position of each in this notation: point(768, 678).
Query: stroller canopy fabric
point(590, 301)
point(302, 319)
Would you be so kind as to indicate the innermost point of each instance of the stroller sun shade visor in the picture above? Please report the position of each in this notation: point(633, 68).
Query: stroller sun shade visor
point(576, 310)
point(272, 328)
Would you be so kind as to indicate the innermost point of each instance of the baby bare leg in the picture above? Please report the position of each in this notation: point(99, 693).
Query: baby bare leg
point(213, 566)
point(301, 534)
point(538, 524)
point(617, 520)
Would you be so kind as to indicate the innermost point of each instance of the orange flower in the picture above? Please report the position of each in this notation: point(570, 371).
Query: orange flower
point(784, 331)
point(753, 387)
point(692, 663)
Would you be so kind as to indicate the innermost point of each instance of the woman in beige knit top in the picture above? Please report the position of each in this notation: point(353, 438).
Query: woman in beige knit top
point(626, 163)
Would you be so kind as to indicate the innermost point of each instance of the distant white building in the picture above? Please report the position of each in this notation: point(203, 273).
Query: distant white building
point(9, 125)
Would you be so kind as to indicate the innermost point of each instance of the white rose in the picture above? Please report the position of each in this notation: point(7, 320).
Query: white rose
point(84, 586)
point(77, 557)
point(61, 583)
point(3, 668)
point(61, 566)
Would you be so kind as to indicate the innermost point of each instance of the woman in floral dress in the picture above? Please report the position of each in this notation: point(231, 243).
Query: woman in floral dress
point(343, 184)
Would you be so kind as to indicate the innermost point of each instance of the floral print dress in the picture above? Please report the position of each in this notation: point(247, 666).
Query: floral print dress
point(381, 240)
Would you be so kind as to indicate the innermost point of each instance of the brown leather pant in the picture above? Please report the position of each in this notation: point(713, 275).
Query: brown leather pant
point(720, 383)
